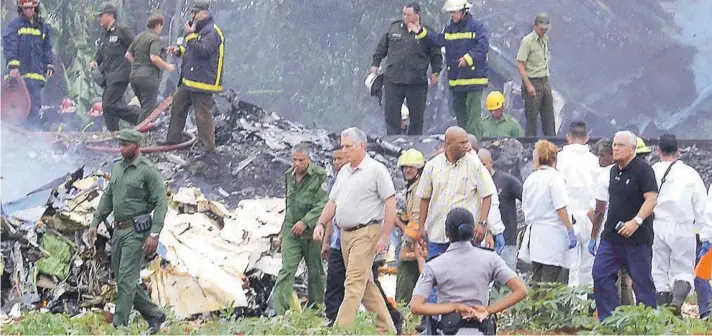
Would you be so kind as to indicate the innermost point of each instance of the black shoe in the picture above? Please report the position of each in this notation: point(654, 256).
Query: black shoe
point(421, 327)
point(154, 325)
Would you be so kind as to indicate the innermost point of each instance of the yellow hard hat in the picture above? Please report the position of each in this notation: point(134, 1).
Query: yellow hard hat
point(411, 158)
point(495, 100)
point(641, 148)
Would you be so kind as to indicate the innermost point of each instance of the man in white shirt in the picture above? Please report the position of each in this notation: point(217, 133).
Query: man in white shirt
point(580, 169)
point(681, 206)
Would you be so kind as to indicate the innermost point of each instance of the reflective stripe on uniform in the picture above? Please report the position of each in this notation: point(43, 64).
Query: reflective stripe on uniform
point(30, 31)
point(191, 36)
point(460, 36)
point(221, 53)
point(422, 34)
point(31, 75)
point(469, 81)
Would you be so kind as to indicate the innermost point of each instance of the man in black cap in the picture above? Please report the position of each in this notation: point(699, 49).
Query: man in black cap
point(136, 190)
point(203, 52)
point(111, 48)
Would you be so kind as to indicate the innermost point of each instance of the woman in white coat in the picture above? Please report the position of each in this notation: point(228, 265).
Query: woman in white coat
point(549, 233)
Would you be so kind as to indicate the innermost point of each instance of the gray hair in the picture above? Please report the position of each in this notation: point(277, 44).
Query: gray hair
point(301, 147)
point(632, 139)
point(358, 136)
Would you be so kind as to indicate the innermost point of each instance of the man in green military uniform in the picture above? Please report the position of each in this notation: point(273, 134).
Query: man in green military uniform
point(498, 124)
point(135, 190)
point(306, 185)
point(111, 48)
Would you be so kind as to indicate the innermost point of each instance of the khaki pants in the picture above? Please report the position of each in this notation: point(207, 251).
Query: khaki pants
point(359, 250)
point(202, 103)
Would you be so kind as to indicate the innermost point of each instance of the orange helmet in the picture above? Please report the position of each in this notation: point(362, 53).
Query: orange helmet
point(68, 106)
point(96, 110)
point(27, 3)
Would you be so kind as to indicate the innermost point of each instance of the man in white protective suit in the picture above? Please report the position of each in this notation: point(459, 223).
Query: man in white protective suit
point(681, 205)
point(580, 169)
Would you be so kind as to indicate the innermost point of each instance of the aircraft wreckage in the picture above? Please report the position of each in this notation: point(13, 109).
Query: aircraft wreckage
point(217, 248)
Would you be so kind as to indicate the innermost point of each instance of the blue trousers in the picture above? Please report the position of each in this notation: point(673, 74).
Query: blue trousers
point(703, 289)
point(637, 259)
point(397, 241)
point(34, 88)
point(434, 250)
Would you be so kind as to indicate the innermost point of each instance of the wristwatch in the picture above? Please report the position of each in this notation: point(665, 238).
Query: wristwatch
point(483, 223)
point(638, 220)
point(154, 235)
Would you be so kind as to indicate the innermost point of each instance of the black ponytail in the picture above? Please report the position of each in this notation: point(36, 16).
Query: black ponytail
point(460, 225)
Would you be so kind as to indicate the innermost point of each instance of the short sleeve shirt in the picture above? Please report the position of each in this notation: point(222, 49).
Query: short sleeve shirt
point(360, 193)
point(626, 189)
point(144, 45)
point(534, 52)
point(445, 272)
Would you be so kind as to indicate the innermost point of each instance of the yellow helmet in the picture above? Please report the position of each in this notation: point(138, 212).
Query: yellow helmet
point(641, 148)
point(495, 100)
point(411, 158)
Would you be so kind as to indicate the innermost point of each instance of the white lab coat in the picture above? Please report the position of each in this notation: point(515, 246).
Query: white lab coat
point(681, 204)
point(580, 169)
point(545, 240)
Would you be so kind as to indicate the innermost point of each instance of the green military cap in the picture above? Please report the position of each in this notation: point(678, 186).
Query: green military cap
point(200, 5)
point(107, 8)
point(542, 20)
point(130, 135)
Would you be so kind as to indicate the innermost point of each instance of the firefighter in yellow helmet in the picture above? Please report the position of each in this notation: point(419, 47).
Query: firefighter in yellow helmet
point(497, 124)
point(411, 163)
point(641, 149)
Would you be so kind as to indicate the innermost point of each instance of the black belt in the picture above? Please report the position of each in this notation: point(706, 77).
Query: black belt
point(123, 225)
point(539, 78)
point(360, 226)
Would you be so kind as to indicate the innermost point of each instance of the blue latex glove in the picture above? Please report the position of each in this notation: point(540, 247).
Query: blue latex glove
point(572, 239)
point(499, 243)
point(706, 246)
point(592, 247)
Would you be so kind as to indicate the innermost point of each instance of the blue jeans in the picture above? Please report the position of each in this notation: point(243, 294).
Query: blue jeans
point(434, 250)
point(703, 289)
point(637, 259)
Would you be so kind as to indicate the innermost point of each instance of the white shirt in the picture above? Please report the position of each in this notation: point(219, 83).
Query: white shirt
point(600, 190)
point(682, 197)
point(543, 193)
point(580, 169)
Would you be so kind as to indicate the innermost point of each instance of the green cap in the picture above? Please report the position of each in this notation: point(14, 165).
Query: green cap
point(130, 135)
point(107, 8)
point(200, 5)
point(542, 20)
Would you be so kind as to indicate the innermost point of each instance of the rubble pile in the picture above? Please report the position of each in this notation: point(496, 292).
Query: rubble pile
point(217, 247)
point(209, 258)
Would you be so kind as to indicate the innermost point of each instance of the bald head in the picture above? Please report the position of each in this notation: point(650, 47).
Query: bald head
point(474, 144)
point(486, 158)
point(456, 143)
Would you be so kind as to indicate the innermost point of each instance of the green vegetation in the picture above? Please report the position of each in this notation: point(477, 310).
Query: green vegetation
point(556, 309)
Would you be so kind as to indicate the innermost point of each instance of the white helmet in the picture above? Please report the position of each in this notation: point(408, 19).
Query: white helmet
point(456, 5)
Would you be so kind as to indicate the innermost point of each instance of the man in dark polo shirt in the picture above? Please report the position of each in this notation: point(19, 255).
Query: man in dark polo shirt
point(509, 190)
point(633, 192)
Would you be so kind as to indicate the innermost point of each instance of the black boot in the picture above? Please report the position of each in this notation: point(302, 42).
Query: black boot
point(421, 327)
point(680, 290)
point(663, 298)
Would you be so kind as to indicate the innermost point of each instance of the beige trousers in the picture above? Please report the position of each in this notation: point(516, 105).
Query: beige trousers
point(359, 250)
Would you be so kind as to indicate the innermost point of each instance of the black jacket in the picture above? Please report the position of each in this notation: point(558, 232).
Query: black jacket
point(111, 48)
point(407, 58)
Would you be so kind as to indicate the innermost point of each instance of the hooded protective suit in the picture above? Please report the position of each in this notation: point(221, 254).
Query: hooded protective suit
point(581, 170)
